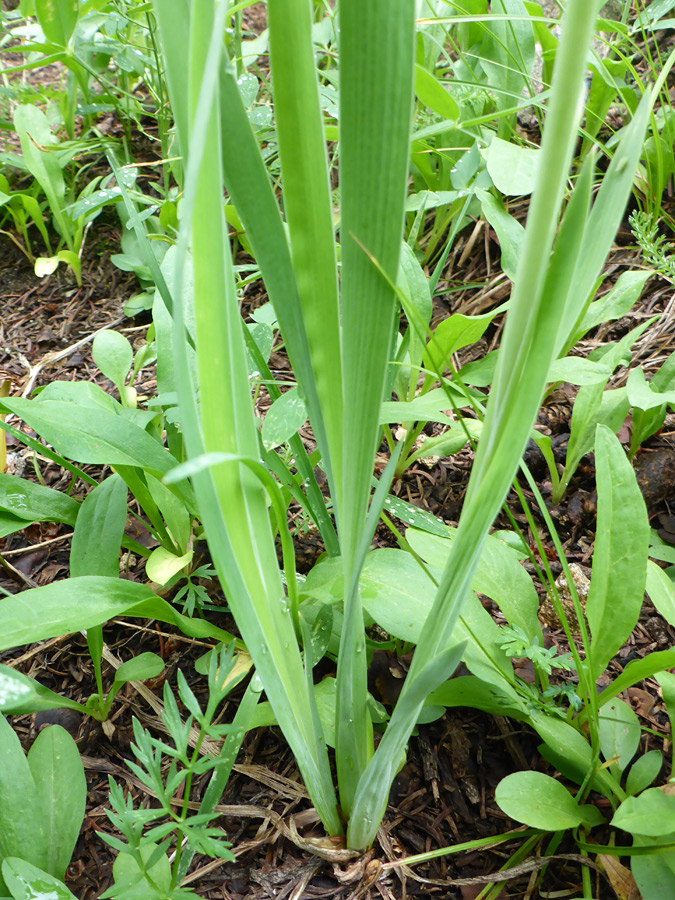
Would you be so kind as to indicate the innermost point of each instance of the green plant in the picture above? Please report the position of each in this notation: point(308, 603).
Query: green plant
point(363, 779)
point(653, 245)
point(594, 740)
point(142, 868)
point(45, 163)
point(42, 803)
point(339, 334)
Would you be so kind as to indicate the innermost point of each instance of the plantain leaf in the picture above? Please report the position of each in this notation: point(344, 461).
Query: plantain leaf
point(620, 557)
point(61, 786)
point(21, 820)
point(99, 529)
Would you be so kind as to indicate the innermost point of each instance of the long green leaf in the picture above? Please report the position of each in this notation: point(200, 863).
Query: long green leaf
point(21, 823)
point(307, 204)
point(527, 351)
point(620, 555)
point(61, 786)
point(610, 205)
point(376, 85)
point(95, 549)
point(31, 502)
point(231, 501)
point(75, 604)
point(250, 190)
point(101, 437)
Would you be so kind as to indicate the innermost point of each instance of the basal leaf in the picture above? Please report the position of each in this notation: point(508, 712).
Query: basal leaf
point(651, 814)
point(21, 822)
point(21, 694)
point(57, 19)
point(539, 801)
point(75, 604)
point(620, 732)
point(61, 786)
point(28, 882)
point(95, 549)
point(114, 356)
point(286, 415)
point(32, 502)
point(513, 168)
point(620, 556)
point(97, 437)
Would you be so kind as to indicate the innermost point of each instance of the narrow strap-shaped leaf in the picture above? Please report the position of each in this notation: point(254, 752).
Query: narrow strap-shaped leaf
point(307, 203)
point(173, 17)
point(373, 789)
point(314, 499)
point(610, 203)
point(507, 424)
point(230, 499)
point(376, 88)
point(250, 190)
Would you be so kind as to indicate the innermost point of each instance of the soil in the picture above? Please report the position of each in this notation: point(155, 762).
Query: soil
point(444, 795)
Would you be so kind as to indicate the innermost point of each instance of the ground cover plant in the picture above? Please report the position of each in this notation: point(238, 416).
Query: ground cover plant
point(198, 465)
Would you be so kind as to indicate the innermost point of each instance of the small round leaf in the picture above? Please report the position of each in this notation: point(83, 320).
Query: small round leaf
point(162, 565)
point(113, 355)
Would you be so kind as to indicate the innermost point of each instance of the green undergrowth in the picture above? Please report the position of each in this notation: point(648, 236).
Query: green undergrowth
point(416, 112)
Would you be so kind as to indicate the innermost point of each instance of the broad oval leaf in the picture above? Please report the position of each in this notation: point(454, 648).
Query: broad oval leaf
point(61, 785)
point(620, 732)
point(539, 801)
point(651, 814)
point(451, 335)
point(21, 694)
point(36, 503)
point(432, 94)
point(99, 530)
point(620, 556)
point(113, 355)
point(285, 416)
point(510, 232)
point(162, 564)
point(100, 437)
point(577, 370)
point(46, 265)
point(644, 771)
point(27, 882)
point(513, 169)
point(75, 604)
point(21, 822)
point(499, 575)
point(57, 19)
point(146, 665)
